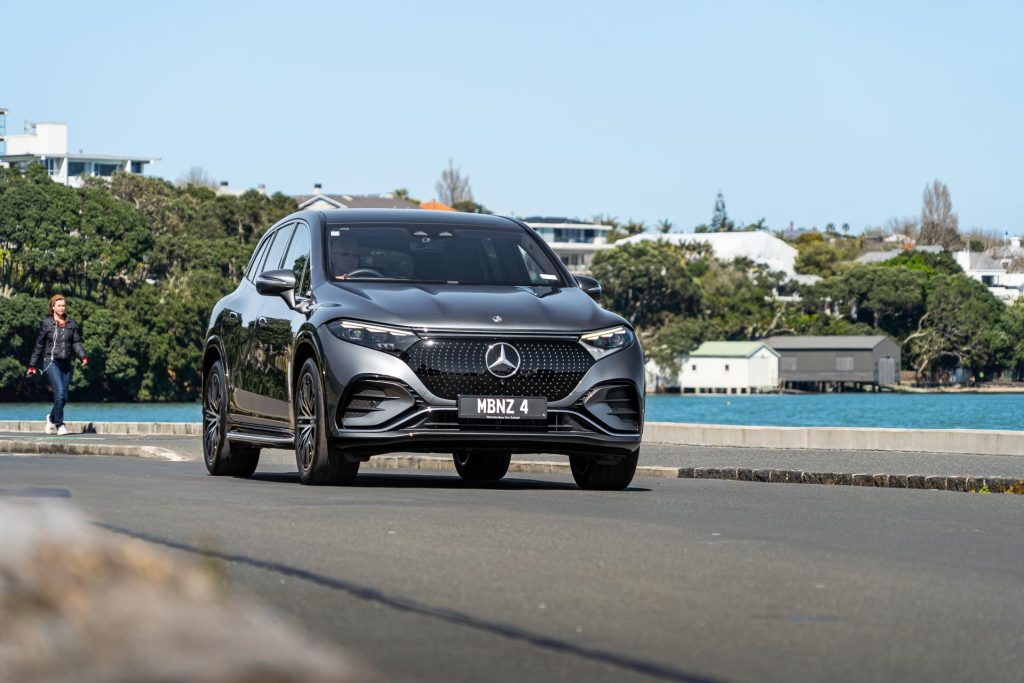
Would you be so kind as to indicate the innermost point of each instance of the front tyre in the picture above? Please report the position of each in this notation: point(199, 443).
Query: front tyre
point(318, 463)
point(482, 465)
point(593, 476)
point(222, 457)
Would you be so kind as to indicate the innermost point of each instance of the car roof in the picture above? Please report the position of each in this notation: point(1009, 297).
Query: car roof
point(415, 216)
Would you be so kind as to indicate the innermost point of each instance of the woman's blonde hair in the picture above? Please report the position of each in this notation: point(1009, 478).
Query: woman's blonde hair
point(54, 299)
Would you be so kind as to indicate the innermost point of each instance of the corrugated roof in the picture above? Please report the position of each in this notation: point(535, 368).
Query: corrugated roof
point(826, 342)
point(729, 349)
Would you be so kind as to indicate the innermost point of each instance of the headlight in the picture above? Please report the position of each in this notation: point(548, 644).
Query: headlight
point(600, 343)
point(379, 337)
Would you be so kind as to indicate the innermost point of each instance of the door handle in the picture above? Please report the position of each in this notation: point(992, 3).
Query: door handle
point(232, 316)
point(261, 322)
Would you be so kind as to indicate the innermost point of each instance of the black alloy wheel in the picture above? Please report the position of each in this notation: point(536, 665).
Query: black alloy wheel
point(591, 475)
point(222, 457)
point(482, 465)
point(318, 462)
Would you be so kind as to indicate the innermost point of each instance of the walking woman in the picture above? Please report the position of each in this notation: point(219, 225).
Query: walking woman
point(59, 341)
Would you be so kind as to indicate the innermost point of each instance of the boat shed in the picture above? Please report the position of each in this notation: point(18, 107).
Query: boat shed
point(725, 367)
point(834, 362)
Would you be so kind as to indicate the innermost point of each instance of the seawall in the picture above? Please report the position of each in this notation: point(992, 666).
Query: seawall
point(967, 441)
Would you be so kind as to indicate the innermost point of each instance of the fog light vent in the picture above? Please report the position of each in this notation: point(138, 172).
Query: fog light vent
point(370, 403)
point(616, 406)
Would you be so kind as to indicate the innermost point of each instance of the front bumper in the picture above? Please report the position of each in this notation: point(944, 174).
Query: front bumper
point(416, 420)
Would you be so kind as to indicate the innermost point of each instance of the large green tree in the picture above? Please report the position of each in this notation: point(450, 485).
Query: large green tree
point(647, 282)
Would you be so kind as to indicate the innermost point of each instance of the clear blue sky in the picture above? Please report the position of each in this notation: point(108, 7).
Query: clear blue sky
point(808, 112)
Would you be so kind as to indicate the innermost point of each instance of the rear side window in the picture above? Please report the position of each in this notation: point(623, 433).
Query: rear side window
point(277, 248)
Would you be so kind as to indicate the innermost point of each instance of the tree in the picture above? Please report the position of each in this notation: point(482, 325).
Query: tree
point(469, 206)
point(939, 223)
point(197, 176)
point(815, 256)
point(664, 226)
point(958, 326)
point(720, 221)
point(647, 282)
point(403, 193)
point(453, 188)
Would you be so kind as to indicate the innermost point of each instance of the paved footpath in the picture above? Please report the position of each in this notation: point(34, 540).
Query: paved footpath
point(947, 471)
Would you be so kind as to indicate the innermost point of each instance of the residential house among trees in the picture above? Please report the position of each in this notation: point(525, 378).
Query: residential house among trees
point(575, 242)
point(319, 200)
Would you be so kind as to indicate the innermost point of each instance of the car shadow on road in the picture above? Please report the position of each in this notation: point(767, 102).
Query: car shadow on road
point(395, 480)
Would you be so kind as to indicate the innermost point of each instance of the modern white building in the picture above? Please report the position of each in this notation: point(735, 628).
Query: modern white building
point(47, 144)
point(758, 246)
point(720, 367)
point(575, 242)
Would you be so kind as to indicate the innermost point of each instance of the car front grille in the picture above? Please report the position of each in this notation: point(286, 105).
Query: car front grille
point(450, 367)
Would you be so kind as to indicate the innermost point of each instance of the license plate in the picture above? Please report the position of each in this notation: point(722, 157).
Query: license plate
point(504, 407)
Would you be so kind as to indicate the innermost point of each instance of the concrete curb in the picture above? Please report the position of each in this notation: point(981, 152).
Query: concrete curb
point(429, 463)
point(127, 428)
point(78, 448)
point(775, 476)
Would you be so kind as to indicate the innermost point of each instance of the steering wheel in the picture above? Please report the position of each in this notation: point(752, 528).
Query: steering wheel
point(364, 272)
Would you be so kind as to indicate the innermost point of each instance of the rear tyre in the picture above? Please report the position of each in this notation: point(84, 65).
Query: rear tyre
point(592, 476)
point(482, 465)
point(318, 463)
point(222, 457)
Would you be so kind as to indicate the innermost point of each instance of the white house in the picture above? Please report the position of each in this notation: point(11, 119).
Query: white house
point(575, 242)
point(47, 144)
point(319, 200)
point(758, 246)
point(725, 367)
point(1008, 287)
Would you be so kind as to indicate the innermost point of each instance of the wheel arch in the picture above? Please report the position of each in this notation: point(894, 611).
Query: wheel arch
point(305, 348)
point(214, 352)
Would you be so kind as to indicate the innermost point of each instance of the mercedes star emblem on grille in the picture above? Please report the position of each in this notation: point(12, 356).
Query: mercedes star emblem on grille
point(497, 318)
point(502, 360)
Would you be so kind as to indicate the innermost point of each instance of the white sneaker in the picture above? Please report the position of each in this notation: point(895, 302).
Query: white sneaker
point(50, 427)
point(62, 430)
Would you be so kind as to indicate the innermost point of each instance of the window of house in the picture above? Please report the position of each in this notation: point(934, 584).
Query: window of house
point(727, 367)
point(693, 367)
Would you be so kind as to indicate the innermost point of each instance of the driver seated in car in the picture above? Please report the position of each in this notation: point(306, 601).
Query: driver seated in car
point(344, 257)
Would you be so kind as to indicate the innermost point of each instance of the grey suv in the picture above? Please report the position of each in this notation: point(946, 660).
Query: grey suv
point(360, 332)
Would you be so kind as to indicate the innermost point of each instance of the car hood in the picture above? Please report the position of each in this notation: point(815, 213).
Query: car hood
point(466, 307)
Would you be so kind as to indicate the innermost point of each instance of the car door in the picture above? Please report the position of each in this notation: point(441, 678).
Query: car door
point(276, 328)
point(251, 379)
point(239, 312)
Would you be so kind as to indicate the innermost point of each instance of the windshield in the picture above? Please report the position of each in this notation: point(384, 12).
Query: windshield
point(439, 254)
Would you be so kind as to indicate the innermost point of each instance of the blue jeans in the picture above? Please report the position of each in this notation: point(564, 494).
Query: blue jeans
point(59, 374)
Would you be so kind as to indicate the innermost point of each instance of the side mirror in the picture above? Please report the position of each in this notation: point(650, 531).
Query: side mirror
point(277, 282)
point(591, 286)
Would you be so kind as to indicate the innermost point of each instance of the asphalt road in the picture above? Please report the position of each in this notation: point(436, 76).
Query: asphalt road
point(429, 579)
